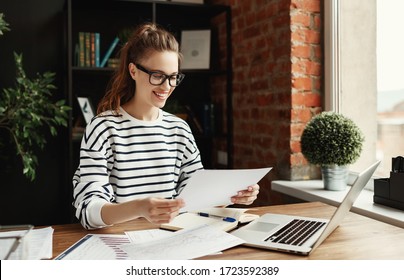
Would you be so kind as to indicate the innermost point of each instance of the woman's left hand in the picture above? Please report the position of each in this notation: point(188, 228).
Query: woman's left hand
point(246, 196)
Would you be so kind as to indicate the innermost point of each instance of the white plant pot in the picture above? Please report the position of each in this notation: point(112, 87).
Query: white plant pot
point(335, 177)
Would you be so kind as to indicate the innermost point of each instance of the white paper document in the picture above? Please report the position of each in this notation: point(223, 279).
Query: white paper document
point(37, 244)
point(208, 188)
point(183, 245)
point(140, 236)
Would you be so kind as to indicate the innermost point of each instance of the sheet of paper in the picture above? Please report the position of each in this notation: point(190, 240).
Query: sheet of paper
point(139, 236)
point(37, 244)
point(97, 247)
point(183, 245)
point(208, 188)
point(40, 243)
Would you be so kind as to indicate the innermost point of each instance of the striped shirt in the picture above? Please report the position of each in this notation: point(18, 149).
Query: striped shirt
point(122, 159)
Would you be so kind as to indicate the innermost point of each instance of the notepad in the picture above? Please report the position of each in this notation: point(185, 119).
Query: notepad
point(190, 220)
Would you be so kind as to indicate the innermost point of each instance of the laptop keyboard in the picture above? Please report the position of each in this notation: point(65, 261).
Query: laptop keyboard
point(296, 232)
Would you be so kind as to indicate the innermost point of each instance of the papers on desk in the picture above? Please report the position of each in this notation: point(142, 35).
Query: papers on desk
point(184, 244)
point(37, 244)
point(208, 188)
point(151, 245)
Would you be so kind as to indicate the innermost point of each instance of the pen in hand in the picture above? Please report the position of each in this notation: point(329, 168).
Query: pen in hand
point(226, 219)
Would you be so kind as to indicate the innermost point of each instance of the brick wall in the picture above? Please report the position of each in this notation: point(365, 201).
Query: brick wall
point(277, 84)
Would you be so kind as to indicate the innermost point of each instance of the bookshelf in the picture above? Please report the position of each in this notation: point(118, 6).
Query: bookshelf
point(204, 98)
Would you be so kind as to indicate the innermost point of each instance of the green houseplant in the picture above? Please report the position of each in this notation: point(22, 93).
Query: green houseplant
point(26, 109)
point(332, 141)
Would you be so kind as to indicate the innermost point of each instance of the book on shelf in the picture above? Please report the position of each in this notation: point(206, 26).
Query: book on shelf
point(87, 50)
point(92, 49)
point(109, 51)
point(220, 217)
point(97, 49)
point(81, 59)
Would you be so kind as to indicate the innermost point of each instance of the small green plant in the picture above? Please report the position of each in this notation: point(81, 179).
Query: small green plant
point(331, 139)
point(26, 108)
point(3, 24)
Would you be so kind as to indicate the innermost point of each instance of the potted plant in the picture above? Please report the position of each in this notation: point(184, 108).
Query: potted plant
point(332, 141)
point(26, 109)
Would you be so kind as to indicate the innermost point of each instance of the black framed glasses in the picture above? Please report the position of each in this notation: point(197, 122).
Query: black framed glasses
point(158, 78)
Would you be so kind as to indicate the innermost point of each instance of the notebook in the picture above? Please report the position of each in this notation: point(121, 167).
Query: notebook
point(222, 218)
point(300, 235)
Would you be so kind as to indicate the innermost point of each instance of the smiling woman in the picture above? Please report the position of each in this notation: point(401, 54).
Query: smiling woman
point(136, 158)
point(134, 155)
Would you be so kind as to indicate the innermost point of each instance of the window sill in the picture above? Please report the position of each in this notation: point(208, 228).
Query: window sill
point(312, 190)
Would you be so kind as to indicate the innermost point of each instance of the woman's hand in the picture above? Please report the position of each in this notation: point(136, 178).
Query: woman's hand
point(156, 210)
point(160, 210)
point(247, 196)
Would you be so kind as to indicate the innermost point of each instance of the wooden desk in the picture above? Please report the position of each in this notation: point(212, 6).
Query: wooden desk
point(358, 237)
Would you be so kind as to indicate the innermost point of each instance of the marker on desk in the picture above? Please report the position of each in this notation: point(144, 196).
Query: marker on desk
point(226, 219)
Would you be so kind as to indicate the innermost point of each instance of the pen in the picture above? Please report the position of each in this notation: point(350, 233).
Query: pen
point(226, 219)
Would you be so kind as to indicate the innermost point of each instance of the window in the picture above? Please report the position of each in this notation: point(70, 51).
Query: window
point(390, 82)
point(362, 63)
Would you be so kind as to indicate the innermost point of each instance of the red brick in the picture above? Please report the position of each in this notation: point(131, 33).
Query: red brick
point(301, 51)
point(295, 147)
point(302, 115)
point(302, 83)
point(306, 36)
point(300, 19)
point(306, 99)
point(312, 68)
point(307, 5)
point(296, 130)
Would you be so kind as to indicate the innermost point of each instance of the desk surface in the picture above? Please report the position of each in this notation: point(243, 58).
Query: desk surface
point(358, 237)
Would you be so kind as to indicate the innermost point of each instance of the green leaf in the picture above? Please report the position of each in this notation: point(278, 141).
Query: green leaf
point(53, 131)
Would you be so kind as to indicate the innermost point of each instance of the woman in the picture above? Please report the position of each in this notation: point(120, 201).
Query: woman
point(134, 157)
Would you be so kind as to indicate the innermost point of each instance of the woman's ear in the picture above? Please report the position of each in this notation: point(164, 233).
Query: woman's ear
point(132, 70)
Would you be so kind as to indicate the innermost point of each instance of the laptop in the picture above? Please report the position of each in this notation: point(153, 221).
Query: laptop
point(300, 235)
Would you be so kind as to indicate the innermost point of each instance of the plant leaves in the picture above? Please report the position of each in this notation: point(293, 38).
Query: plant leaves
point(26, 109)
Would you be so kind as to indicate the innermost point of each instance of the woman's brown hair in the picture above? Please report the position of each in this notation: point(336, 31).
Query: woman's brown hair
point(147, 38)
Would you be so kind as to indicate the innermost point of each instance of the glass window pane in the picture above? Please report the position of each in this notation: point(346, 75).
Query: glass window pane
point(390, 82)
